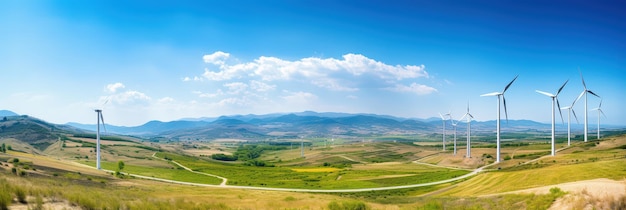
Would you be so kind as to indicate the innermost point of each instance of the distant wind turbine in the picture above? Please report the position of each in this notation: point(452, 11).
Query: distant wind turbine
point(469, 117)
point(100, 118)
point(585, 91)
point(500, 95)
point(599, 112)
point(554, 99)
point(570, 111)
point(443, 120)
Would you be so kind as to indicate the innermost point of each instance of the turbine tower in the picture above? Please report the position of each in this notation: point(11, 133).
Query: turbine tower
point(585, 91)
point(599, 112)
point(469, 120)
point(500, 95)
point(570, 110)
point(554, 99)
point(99, 118)
point(443, 120)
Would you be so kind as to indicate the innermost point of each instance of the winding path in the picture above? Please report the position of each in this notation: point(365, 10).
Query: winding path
point(224, 180)
point(223, 184)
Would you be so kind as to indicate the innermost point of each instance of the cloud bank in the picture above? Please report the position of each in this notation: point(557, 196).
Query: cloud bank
point(348, 74)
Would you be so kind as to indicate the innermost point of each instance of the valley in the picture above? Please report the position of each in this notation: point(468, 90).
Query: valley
point(375, 172)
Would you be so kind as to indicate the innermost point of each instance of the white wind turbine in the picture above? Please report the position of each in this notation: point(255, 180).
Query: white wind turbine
point(443, 120)
point(570, 111)
point(585, 91)
point(599, 112)
point(554, 99)
point(500, 95)
point(469, 117)
point(100, 118)
point(454, 125)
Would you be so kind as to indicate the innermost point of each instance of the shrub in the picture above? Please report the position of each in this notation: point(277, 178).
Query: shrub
point(507, 157)
point(5, 196)
point(347, 205)
point(20, 194)
point(290, 198)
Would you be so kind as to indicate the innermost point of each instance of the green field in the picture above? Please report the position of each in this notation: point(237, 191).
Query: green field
point(367, 176)
point(173, 173)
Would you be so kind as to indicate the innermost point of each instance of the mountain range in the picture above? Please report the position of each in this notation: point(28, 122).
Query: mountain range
point(310, 124)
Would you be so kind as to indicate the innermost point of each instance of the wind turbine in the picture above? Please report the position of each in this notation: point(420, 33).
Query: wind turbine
point(554, 98)
point(570, 110)
point(454, 125)
point(100, 118)
point(443, 120)
point(599, 112)
point(498, 94)
point(469, 120)
point(585, 91)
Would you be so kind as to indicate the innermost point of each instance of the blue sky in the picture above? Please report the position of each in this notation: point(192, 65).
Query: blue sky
point(166, 61)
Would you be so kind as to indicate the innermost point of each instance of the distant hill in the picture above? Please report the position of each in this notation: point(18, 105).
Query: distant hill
point(33, 131)
point(7, 113)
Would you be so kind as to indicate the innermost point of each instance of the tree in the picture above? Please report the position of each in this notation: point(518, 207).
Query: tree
point(120, 165)
point(3, 148)
point(9, 147)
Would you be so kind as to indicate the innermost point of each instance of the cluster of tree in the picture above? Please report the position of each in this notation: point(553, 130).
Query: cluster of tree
point(223, 157)
point(4, 148)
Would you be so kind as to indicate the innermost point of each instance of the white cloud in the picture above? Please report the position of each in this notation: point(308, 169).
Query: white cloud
point(261, 86)
point(217, 58)
point(413, 88)
point(345, 74)
point(195, 78)
point(332, 84)
point(129, 97)
point(232, 101)
point(112, 88)
point(166, 100)
point(219, 92)
point(299, 97)
point(236, 87)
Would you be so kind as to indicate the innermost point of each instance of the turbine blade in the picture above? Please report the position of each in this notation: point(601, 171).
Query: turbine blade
point(509, 85)
point(560, 113)
point(470, 115)
point(545, 93)
point(592, 93)
point(581, 78)
point(103, 125)
point(440, 115)
point(580, 96)
point(600, 104)
point(505, 112)
point(602, 112)
point(557, 93)
point(491, 94)
point(567, 107)
point(573, 112)
point(465, 115)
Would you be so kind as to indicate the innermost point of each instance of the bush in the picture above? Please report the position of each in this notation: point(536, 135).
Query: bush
point(507, 157)
point(20, 194)
point(347, 205)
point(5, 195)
